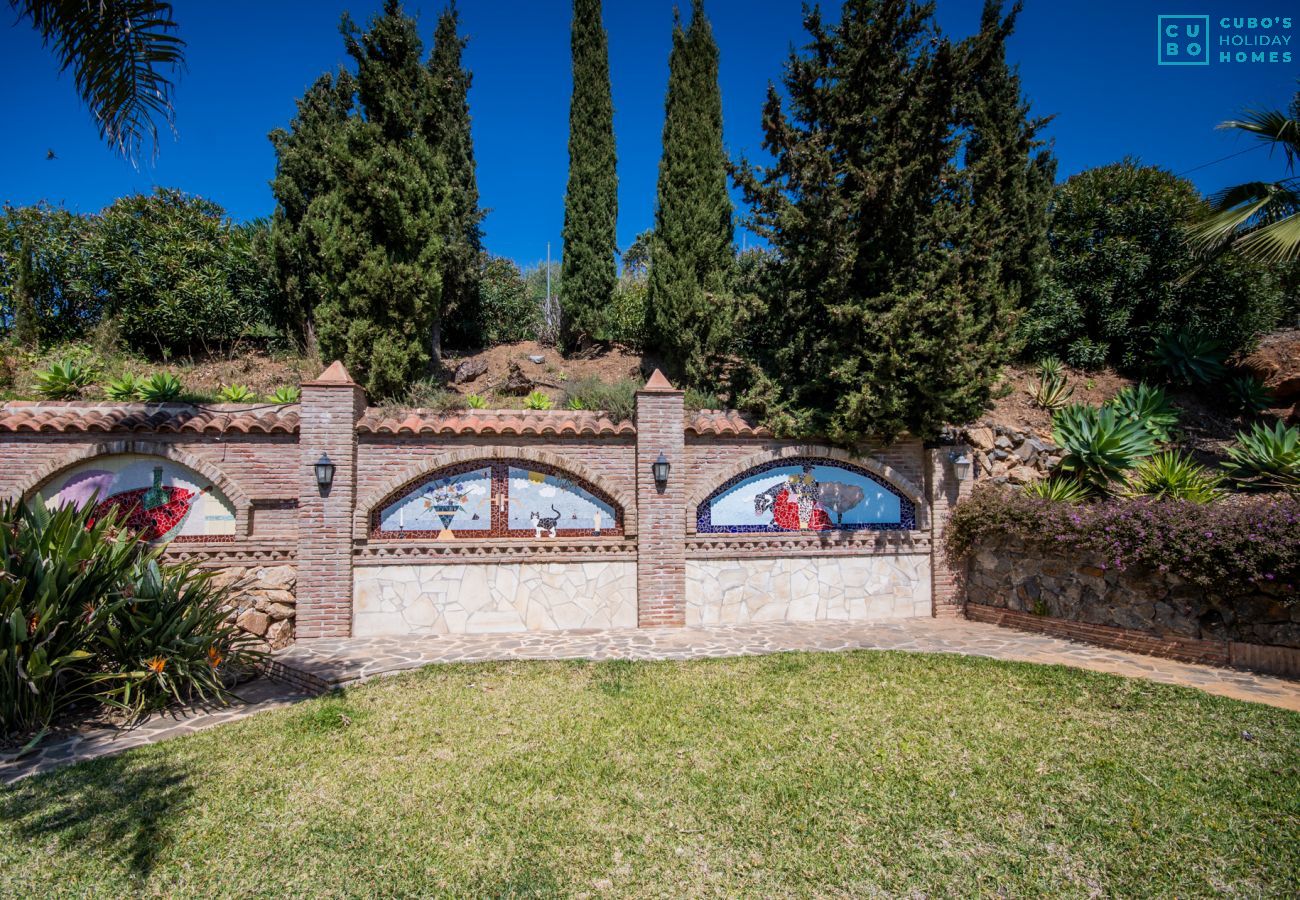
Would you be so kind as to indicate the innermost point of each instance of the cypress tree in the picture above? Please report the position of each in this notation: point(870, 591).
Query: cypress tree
point(891, 312)
point(369, 225)
point(687, 316)
point(588, 272)
point(449, 133)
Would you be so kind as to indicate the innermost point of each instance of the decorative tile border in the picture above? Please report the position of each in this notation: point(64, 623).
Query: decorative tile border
point(232, 553)
point(721, 545)
point(489, 551)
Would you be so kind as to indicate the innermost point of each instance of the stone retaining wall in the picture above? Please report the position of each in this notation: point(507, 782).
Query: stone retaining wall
point(1008, 575)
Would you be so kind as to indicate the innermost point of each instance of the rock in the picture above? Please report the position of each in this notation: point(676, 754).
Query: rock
point(253, 622)
point(278, 611)
point(999, 454)
point(980, 438)
point(1022, 475)
point(280, 597)
point(275, 577)
point(469, 370)
point(516, 381)
point(280, 634)
point(1003, 442)
point(1025, 452)
point(536, 358)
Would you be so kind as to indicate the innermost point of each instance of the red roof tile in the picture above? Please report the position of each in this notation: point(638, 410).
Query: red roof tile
point(504, 421)
point(724, 422)
point(214, 418)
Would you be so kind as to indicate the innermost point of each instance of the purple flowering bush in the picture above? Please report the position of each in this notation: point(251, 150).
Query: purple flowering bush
point(1222, 546)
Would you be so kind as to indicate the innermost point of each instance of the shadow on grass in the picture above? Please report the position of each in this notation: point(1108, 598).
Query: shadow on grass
point(118, 806)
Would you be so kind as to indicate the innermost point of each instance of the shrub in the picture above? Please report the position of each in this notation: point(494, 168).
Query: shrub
point(1172, 476)
point(286, 394)
point(1099, 445)
point(697, 399)
point(1192, 359)
point(509, 312)
point(618, 399)
point(1248, 396)
point(1267, 457)
point(236, 393)
point(1147, 406)
point(124, 389)
point(172, 641)
point(63, 578)
point(160, 387)
point(1221, 546)
point(537, 400)
point(432, 395)
point(66, 379)
point(1058, 489)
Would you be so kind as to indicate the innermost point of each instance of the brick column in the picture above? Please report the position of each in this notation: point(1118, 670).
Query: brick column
point(945, 489)
point(661, 514)
point(331, 407)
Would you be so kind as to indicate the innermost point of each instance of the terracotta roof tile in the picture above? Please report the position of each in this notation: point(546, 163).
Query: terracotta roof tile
point(724, 422)
point(494, 422)
point(215, 418)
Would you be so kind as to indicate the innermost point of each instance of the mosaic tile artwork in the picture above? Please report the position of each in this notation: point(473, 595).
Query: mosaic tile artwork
point(804, 494)
point(499, 499)
point(161, 500)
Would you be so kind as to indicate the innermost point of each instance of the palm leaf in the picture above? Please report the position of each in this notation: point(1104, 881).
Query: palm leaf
point(1272, 126)
point(118, 51)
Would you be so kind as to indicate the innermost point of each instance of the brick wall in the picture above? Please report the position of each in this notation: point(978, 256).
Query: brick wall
point(945, 489)
point(661, 548)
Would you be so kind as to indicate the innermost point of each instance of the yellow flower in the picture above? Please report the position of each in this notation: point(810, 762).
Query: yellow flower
point(156, 665)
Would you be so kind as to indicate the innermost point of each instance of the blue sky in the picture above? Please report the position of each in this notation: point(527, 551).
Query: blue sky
point(1091, 63)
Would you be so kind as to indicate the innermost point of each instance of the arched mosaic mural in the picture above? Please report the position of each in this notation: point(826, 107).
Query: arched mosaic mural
point(160, 499)
point(498, 498)
point(804, 494)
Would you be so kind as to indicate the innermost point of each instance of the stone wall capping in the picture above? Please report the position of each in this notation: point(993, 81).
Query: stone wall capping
point(538, 423)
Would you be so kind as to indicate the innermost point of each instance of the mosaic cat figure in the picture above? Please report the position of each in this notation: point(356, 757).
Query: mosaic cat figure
point(545, 523)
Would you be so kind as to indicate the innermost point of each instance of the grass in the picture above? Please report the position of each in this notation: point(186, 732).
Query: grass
point(827, 774)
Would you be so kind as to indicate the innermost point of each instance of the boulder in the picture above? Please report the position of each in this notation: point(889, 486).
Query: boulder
point(1022, 475)
point(516, 381)
point(254, 622)
point(278, 611)
point(280, 635)
point(469, 370)
point(980, 438)
point(275, 577)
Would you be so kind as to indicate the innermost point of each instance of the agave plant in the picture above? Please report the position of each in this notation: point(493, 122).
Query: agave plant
point(124, 389)
point(575, 403)
point(1173, 476)
point(476, 401)
point(1248, 395)
point(1147, 406)
point(160, 387)
point(286, 394)
point(1192, 359)
point(1050, 392)
point(236, 393)
point(1058, 489)
point(1267, 457)
point(1051, 367)
point(537, 400)
point(65, 379)
point(1100, 446)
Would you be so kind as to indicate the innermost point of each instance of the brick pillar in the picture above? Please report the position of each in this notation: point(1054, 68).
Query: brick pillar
point(660, 514)
point(331, 407)
point(945, 489)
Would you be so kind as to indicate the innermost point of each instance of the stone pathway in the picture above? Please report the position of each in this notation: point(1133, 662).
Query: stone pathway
point(89, 743)
point(329, 663)
point(338, 662)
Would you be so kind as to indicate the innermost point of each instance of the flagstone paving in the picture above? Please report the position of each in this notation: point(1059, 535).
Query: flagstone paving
point(330, 663)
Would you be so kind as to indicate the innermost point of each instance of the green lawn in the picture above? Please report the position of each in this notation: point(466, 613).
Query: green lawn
point(800, 774)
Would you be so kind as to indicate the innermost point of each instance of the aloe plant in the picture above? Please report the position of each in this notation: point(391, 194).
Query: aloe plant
point(1100, 445)
point(160, 387)
point(537, 400)
point(236, 393)
point(1267, 457)
point(1173, 476)
point(286, 394)
point(1147, 406)
point(1192, 359)
point(66, 379)
point(476, 401)
point(1248, 395)
point(1058, 489)
point(1051, 392)
point(124, 389)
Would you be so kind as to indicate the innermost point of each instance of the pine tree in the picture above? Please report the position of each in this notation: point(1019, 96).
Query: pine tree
point(449, 133)
point(367, 228)
point(687, 316)
point(893, 312)
point(588, 272)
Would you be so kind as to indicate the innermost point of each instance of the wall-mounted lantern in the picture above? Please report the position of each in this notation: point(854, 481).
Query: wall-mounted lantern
point(961, 463)
point(324, 472)
point(660, 469)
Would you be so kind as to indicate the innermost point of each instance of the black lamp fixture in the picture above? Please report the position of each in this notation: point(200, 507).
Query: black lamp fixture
point(660, 469)
point(961, 463)
point(324, 472)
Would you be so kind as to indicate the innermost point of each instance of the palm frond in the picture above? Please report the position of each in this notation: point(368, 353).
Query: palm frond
point(1273, 126)
point(118, 51)
point(1245, 210)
